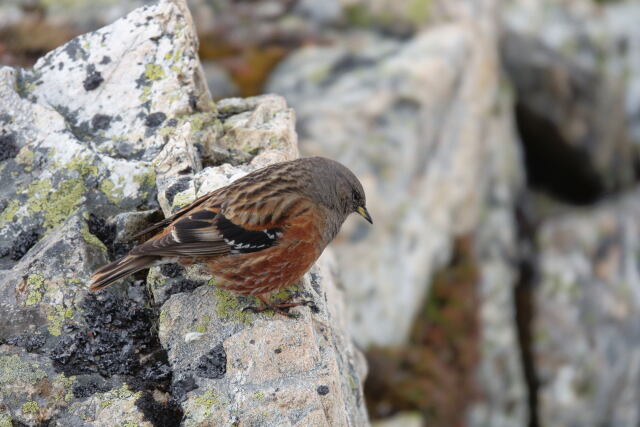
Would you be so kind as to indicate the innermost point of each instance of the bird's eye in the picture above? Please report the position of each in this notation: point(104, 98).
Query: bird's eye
point(355, 196)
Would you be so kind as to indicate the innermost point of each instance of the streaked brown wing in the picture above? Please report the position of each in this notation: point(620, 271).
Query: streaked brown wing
point(206, 232)
point(209, 198)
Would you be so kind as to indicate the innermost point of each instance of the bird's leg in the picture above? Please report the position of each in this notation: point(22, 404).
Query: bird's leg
point(288, 303)
point(278, 307)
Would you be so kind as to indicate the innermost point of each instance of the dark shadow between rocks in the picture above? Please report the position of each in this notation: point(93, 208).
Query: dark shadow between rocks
point(552, 165)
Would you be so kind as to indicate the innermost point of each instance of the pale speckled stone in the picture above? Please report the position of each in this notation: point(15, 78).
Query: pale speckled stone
point(274, 365)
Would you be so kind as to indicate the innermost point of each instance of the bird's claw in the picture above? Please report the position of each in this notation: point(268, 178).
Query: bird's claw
point(282, 307)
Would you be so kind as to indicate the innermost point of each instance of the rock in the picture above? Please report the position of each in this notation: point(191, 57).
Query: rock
point(574, 68)
point(585, 337)
point(91, 137)
point(402, 420)
point(219, 82)
point(260, 368)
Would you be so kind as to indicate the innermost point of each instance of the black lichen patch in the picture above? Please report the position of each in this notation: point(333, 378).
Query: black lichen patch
point(107, 233)
point(185, 285)
point(154, 120)
point(115, 337)
point(101, 122)
point(176, 188)
point(160, 414)
point(180, 388)
point(30, 341)
point(86, 386)
point(322, 390)
point(213, 364)
point(93, 79)
point(8, 147)
point(171, 270)
point(22, 243)
point(105, 60)
point(74, 49)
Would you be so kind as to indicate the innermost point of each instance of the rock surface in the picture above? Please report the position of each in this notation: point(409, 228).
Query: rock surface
point(575, 68)
point(91, 137)
point(587, 304)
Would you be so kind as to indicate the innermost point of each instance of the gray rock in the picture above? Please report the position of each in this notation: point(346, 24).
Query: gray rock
point(587, 305)
point(575, 66)
point(219, 81)
point(260, 368)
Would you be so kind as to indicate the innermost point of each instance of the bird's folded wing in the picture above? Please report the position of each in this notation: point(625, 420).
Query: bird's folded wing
point(204, 232)
point(209, 198)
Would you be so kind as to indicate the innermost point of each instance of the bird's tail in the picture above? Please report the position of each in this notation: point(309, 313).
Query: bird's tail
point(118, 269)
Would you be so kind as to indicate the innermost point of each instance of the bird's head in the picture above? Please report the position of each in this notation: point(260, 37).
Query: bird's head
point(338, 188)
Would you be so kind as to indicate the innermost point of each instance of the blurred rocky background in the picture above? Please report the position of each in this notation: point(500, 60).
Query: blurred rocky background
point(497, 141)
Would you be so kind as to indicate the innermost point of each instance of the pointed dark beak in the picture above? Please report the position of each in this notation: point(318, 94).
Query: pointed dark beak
point(362, 211)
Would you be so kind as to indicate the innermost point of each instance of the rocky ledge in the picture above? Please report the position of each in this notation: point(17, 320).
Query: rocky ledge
point(99, 137)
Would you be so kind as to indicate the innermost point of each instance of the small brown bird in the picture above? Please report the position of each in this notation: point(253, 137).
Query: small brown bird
point(259, 234)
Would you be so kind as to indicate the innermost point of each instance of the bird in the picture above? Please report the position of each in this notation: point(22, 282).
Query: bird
point(257, 235)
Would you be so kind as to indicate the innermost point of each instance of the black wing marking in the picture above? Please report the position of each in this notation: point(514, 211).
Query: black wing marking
point(206, 232)
point(244, 241)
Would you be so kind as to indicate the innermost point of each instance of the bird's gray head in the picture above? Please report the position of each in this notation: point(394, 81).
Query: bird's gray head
point(336, 187)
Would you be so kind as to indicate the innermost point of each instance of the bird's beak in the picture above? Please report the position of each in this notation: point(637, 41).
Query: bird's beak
point(362, 211)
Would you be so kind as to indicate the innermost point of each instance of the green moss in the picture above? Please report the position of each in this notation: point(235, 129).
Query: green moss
point(56, 318)
point(207, 400)
point(229, 308)
point(284, 294)
point(163, 316)
point(146, 180)
point(66, 384)
point(13, 369)
point(419, 11)
point(5, 420)
point(358, 15)
point(30, 407)
point(257, 396)
point(56, 205)
point(182, 199)
point(154, 72)
point(109, 189)
point(9, 213)
point(35, 284)
point(38, 192)
point(91, 238)
point(204, 323)
point(167, 130)
point(83, 166)
point(25, 157)
point(130, 424)
point(146, 94)
point(156, 280)
point(122, 393)
point(174, 55)
point(64, 201)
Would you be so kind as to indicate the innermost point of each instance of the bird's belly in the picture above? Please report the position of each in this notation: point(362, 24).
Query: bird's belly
point(265, 271)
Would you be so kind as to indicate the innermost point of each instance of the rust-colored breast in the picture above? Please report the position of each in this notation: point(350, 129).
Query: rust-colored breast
point(279, 266)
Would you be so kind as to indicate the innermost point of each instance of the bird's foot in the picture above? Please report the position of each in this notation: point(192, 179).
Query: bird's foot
point(281, 307)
